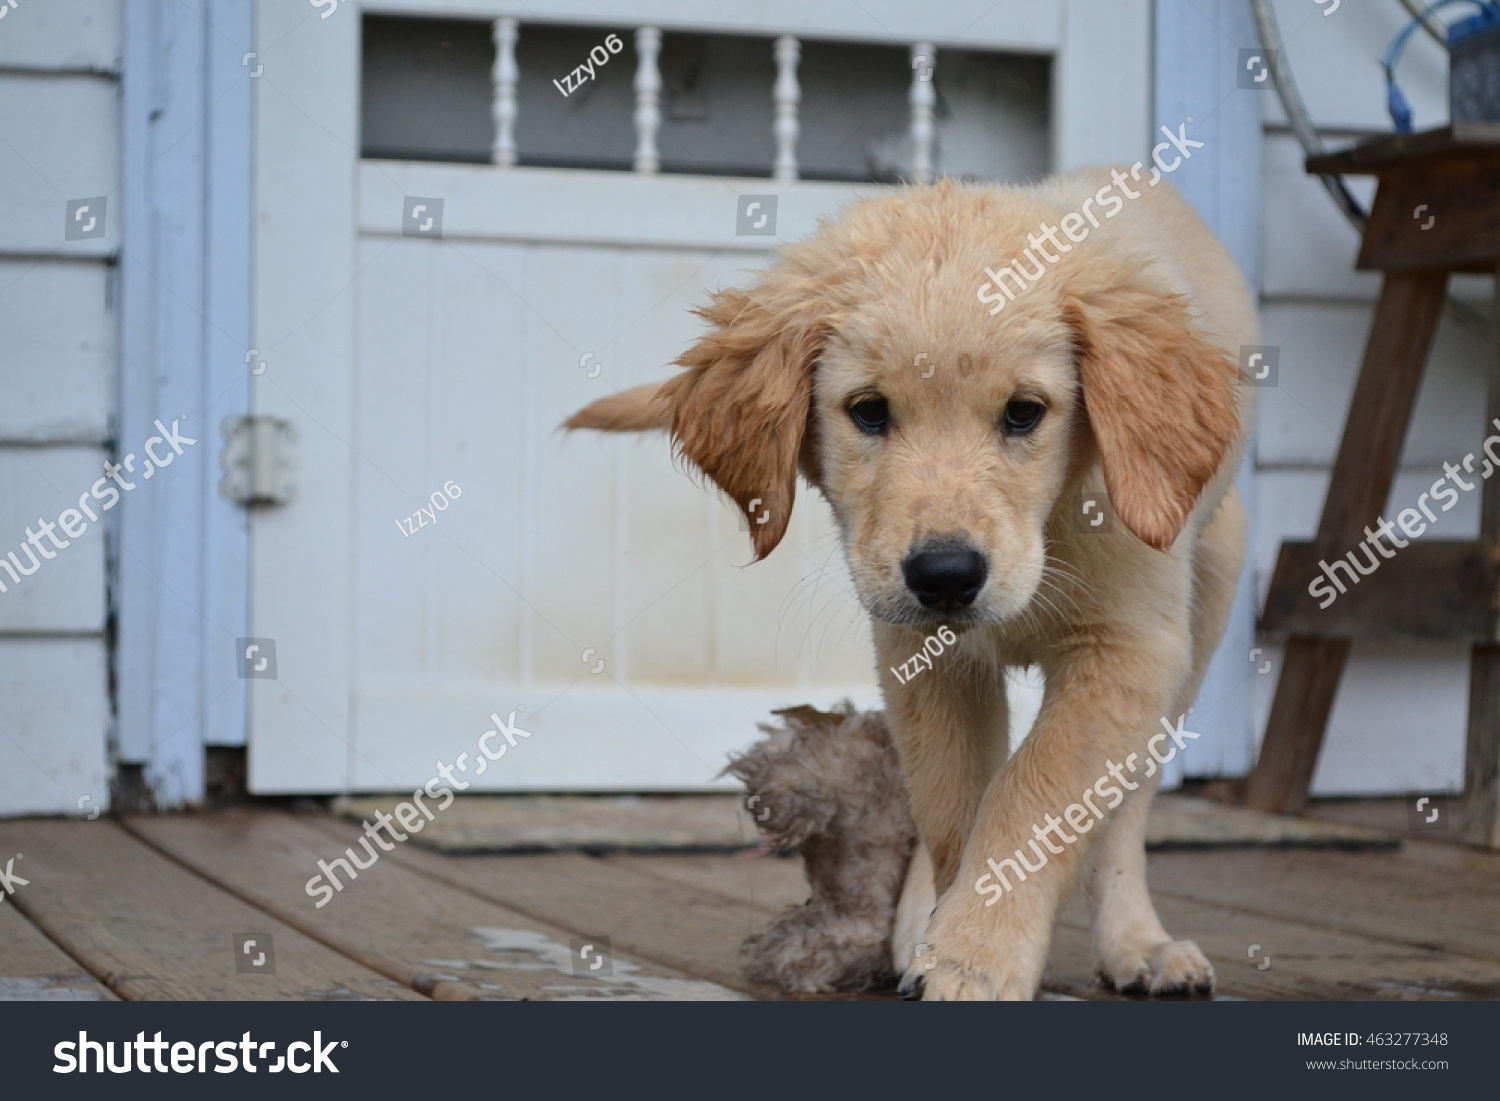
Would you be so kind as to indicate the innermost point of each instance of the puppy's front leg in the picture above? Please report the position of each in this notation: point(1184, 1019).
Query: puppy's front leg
point(990, 933)
point(1132, 950)
point(950, 726)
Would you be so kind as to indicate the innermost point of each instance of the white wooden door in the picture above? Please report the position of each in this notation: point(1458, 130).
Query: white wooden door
point(581, 582)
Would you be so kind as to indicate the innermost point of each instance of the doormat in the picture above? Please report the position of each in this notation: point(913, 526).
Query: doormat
point(599, 824)
point(1188, 822)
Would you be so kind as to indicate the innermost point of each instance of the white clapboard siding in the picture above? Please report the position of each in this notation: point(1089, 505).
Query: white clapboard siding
point(61, 34)
point(52, 748)
point(1309, 247)
point(66, 593)
point(57, 342)
point(1302, 416)
point(58, 141)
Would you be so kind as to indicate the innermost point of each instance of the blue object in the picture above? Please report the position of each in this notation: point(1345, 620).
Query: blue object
point(1396, 102)
point(1465, 29)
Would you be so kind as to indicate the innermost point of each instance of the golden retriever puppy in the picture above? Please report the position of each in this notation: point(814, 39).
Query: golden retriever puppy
point(965, 372)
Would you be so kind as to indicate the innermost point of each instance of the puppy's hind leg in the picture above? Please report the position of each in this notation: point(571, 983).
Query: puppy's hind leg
point(1132, 950)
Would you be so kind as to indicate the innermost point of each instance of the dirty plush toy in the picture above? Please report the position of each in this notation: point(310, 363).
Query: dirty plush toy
point(830, 783)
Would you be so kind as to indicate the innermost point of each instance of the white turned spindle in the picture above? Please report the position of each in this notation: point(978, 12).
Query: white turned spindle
point(787, 96)
point(503, 78)
point(923, 98)
point(647, 99)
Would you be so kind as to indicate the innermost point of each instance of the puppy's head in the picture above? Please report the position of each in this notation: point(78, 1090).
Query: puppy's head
point(946, 438)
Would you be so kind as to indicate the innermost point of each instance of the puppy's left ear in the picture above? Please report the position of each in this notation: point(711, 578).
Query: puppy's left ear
point(1162, 398)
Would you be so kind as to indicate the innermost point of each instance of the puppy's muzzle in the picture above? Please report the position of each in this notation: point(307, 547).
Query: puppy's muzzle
point(945, 575)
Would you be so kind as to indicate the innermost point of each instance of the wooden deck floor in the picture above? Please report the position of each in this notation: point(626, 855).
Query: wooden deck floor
point(162, 908)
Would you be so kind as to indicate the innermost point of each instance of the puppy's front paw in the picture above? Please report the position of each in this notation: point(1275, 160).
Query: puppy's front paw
point(1171, 967)
point(934, 977)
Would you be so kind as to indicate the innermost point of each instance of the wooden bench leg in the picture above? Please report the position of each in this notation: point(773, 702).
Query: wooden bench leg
point(1480, 811)
point(1310, 674)
point(1390, 376)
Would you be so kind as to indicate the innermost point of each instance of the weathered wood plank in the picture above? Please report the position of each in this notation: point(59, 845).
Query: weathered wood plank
point(1489, 491)
point(32, 968)
point(771, 883)
point(153, 931)
point(1422, 896)
point(1438, 589)
point(1438, 214)
point(440, 940)
point(1220, 900)
point(1308, 962)
point(1371, 960)
point(506, 824)
point(1481, 799)
point(1461, 139)
point(1480, 806)
point(653, 917)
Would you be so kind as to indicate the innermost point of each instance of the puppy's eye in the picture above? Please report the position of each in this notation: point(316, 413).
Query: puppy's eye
point(871, 415)
point(1022, 415)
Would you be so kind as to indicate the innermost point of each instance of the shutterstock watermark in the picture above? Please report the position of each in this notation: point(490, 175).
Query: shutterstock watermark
point(71, 520)
point(9, 880)
point(943, 639)
point(193, 1056)
point(414, 815)
point(1081, 816)
point(1329, 585)
point(1075, 225)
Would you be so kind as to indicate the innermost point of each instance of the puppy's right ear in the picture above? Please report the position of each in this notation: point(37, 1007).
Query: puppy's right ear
point(639, 409)
point(740, 410)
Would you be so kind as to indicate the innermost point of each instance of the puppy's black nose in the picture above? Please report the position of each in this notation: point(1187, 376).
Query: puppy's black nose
point(945, 578)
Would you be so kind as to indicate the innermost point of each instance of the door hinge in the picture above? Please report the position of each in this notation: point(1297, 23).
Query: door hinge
point(257, 460)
